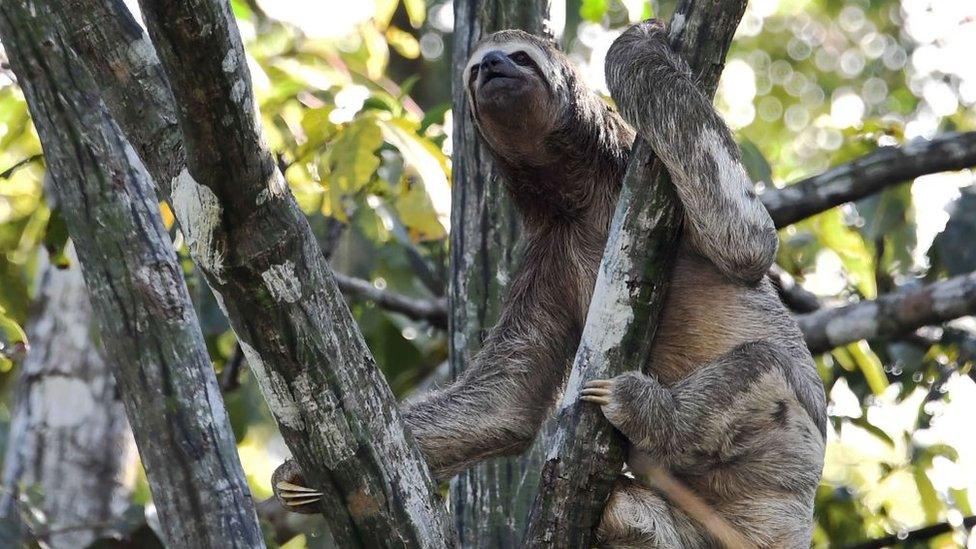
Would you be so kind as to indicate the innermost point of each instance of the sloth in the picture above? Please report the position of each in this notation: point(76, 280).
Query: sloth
point(729, 402)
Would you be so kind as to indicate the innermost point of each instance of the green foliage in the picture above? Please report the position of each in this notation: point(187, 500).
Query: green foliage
point(342, 113)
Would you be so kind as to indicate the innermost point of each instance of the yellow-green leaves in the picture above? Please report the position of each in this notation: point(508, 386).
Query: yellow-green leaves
point(13, 340)
point(350, 163)
point(424, 196)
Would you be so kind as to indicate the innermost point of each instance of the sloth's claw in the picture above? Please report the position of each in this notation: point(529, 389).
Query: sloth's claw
point(597, 391)
point(287, 486)
point(298, 502)
point(595, 400)
point(598, 383)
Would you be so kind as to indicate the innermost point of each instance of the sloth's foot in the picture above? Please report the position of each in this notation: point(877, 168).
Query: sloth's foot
point(289, 488)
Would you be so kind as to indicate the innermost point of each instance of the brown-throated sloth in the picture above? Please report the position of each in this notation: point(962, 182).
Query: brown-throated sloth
point(730, 402)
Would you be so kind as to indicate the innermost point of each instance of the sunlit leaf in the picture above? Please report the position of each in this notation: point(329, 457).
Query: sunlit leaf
point(870, 365)
point(847, 243)
point(13, 340)
point(416, 12)
point(593, 10)
point(927, 495)
point(351, 161)
point(879, 433)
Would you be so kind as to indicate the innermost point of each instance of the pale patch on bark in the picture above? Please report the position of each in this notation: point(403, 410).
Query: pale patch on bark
point(53, 394)
point(229, 64)
point(237, 92)
point(276, 188)
point(948, 296)
point(282, 282)
point(275, 390)
point(198, 211)
point(139, 51)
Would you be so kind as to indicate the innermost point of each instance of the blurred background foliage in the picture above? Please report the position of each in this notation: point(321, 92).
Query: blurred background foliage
point(355, 99)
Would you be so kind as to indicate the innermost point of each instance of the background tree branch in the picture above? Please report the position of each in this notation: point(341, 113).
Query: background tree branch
point(140, 301)
point(869, 174)
point(632, 281)
point(890, 315)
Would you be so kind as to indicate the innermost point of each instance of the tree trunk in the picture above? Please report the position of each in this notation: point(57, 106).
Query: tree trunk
point(81, 459)
point(585, 454)
point(140, 301)
point(490, 501)
point(261, 259)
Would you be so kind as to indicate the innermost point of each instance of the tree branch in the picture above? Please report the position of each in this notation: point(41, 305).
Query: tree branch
point(890, 315)
point(869, 174)
point(247, 235)
point(921, 534)
point(633, 279)
point(140, 300)
point(433, 311)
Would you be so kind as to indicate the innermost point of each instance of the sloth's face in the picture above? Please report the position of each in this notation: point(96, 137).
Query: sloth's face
point(511, 81)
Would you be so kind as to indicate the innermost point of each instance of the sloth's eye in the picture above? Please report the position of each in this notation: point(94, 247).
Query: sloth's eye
point(520, 58)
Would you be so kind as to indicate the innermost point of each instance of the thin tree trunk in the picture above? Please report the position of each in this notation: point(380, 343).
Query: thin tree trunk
point(81, 458)
point(585, 454)
point(261, 259)
point(489, 501)
point(140, 301)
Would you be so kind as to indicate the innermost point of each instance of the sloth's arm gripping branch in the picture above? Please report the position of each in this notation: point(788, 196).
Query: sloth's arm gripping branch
point(655, 92)
point(498, 404)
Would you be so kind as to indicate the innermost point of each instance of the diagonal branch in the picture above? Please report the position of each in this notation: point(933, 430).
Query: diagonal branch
point(633, 278)
point(869, 174)
point(260, 257)
point(433, 311)
point(890, 315)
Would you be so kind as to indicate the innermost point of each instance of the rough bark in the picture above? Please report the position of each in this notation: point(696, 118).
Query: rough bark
point(140, 301)
point(489, 501)
point(869, 174)
point(585, 454)
point(260, 257)
point(64, 451)
point(890, 315)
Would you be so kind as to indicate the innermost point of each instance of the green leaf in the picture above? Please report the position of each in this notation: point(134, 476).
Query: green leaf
point(593, 10)
point(927, 495)
point(847, 243)
point(756, 165)
point(870, 365)
point(878, 433)
point(56, 240)
point(352, 161)
point(13, 340)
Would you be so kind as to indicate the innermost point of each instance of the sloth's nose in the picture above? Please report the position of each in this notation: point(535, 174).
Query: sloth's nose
point(493, 60)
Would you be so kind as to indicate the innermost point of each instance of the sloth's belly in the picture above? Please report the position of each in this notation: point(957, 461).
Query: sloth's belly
point(707, 315)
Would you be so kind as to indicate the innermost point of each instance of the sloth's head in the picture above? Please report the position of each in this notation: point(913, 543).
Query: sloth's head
point(518, 87)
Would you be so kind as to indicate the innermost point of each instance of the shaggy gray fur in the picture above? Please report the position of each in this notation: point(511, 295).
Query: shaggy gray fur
point(730, 402)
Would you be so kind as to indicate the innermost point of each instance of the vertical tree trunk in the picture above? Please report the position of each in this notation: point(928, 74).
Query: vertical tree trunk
point(247, 235)
point(488, 511)
point(140, 301)
point(81, 458)
point(585, 454)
